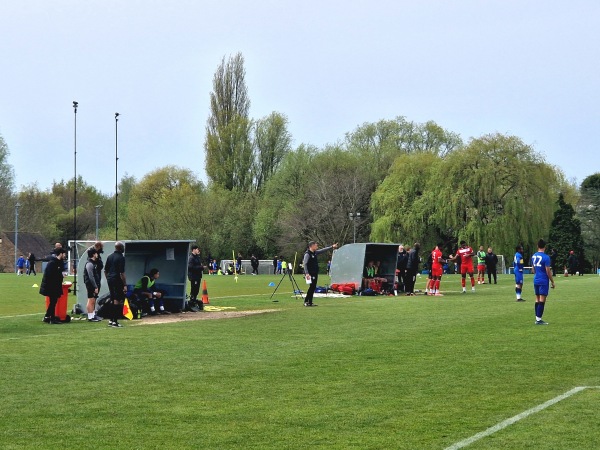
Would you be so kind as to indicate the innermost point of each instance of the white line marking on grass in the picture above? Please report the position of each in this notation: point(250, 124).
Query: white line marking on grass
point(514, 419)
point(20, 315)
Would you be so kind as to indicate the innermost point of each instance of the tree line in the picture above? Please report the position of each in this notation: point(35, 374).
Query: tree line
point(409, 181)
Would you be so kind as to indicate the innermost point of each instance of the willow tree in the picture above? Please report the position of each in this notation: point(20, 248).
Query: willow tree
point(381, 142)
point(228, 142)
point(400, 207)
point(495, 191)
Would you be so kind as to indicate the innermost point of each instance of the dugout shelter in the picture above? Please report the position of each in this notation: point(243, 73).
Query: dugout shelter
point(169, 257)
point(349, 261)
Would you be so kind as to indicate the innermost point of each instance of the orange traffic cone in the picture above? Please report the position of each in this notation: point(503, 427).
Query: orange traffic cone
point(204, 293)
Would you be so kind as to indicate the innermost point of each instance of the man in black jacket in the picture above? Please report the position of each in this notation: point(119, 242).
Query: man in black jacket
point(311, 268)
point(401, 266)
point(195, 269)
point(491, 261)
point(412, 268)
point(114, 270)
point(51, 285)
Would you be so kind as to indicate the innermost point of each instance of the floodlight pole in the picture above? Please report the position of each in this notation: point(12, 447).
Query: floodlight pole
point(97, 215)
point(353, 217)
point(116, 176)
point(74, 250)
point(17, 206)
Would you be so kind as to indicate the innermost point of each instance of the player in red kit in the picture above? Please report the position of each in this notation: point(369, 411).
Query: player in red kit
point(437, 269)
point(466, 264)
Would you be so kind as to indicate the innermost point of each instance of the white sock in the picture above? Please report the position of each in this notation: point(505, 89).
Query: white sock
point(90, 315)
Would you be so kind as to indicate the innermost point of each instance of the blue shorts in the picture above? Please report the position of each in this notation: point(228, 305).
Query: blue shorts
point(541, 289)
point(519, 278)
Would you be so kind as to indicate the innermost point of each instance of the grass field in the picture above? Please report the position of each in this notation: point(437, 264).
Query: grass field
point(355, 372)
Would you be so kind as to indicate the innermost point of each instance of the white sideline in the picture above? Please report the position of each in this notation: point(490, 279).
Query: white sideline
point(523, 415)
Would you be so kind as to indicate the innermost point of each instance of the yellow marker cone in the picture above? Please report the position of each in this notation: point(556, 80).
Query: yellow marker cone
point(35, 285)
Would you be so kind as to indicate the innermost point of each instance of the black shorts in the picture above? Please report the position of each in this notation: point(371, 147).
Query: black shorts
point(116, 291)
point(90, 292)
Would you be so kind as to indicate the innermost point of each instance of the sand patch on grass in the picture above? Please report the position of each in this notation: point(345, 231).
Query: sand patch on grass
point(203, 315)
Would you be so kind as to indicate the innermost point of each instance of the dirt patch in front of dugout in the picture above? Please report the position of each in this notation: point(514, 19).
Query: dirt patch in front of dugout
point(203, 315)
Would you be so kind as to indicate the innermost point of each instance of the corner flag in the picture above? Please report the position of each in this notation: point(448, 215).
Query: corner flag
point(126, 311)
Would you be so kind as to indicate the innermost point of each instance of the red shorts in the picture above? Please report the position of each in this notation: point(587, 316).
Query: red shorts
point(480, 267)
point(465, 269)
point(437, 271)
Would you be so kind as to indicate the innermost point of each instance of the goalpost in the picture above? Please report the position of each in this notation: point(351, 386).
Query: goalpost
point(501, 267)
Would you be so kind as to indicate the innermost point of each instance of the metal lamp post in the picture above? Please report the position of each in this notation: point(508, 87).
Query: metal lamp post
point(17, 206)
point(353, 216)
point(97, 215)
point(74, 253)
point(116, 176)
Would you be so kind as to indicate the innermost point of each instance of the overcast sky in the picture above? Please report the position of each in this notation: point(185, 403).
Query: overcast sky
point(527, 68)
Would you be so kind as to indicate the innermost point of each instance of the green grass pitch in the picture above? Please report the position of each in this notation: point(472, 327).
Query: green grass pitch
point(355, 372)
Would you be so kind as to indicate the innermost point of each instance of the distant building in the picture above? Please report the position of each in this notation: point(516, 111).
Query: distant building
point(27, 242)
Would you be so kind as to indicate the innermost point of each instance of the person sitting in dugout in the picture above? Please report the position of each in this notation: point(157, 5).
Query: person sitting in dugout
point(145, 289)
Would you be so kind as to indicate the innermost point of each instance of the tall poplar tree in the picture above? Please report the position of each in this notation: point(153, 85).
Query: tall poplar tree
point(7, 183)
point(228, 143)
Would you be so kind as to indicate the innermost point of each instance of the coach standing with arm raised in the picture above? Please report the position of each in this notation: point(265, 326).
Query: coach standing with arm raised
point(311, 268)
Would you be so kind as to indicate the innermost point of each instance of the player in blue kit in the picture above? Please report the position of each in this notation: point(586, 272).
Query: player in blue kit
point(541, 280)
point(518, 266)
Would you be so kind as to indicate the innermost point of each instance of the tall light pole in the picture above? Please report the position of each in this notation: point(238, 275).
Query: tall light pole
point(97, 214)
point(74, 252)
point(17, 206)
point(116, 176)
point(353, 216)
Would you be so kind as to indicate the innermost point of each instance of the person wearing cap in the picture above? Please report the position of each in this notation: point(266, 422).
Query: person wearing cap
point(51, 285)
point(114, 270)
point(311, 268)
point(572, 263)
point(91, 279)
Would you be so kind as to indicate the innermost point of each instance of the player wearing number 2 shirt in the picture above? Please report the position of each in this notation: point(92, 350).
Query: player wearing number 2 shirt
point(541, 280)
point(437, 270)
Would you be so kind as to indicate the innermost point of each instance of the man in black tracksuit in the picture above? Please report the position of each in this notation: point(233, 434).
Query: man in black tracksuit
point(401, 266)
point(311, 268)
point(114, 270)
point(491, 262)
point(195, 269)
point(51, 285)
point(412, 268)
